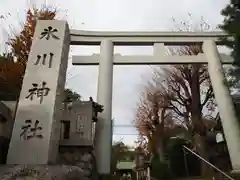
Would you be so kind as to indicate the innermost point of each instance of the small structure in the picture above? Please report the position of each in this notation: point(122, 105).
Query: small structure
point(7, 113)
point(77, 130)
point(78, 123)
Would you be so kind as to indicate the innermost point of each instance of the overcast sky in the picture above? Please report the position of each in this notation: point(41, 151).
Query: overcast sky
point(119, 15)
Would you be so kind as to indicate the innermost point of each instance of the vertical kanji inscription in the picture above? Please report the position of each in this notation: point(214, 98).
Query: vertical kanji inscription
point(38, 91)
point(49, 33)
point(31, 130)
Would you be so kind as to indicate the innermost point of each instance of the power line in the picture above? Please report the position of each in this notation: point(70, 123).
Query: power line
point(125, 134)
point(129, 125)
point(123, 125)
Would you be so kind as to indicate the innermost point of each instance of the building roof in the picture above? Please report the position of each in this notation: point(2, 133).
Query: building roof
point(126, 165)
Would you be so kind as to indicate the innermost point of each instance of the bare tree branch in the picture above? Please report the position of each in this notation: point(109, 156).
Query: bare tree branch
point(209, 94)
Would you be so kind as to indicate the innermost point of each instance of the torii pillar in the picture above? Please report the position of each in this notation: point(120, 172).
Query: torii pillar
point(104, 97)
point(224, 101)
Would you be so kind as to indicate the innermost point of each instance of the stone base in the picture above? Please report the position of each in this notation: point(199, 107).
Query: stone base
point(74, 163)
point(43, 172)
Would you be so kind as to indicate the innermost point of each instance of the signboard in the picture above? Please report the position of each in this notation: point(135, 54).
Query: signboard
point(81, 121)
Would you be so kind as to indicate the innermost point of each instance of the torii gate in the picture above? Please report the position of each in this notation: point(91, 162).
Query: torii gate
point(47, 65)
point(106, 59)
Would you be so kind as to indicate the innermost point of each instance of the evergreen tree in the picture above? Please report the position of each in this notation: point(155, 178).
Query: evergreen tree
point(231, 25)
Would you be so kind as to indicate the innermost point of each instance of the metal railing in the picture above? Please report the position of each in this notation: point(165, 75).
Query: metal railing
point(210, 164)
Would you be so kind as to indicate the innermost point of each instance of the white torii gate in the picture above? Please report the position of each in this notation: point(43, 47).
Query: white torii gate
point(49, 53)
point(106, 59)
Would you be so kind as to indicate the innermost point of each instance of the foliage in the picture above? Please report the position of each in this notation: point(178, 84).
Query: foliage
point(174, 151)
point(71, 96)
point(176, 91)
point(159, 170)
point(181, 165)
point(231, 25)
point(185, 94)
point(12, 68)
point(10, 72)
point(153, 119)
point(21, 43)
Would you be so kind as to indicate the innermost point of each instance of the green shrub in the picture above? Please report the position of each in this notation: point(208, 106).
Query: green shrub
point(159, 171)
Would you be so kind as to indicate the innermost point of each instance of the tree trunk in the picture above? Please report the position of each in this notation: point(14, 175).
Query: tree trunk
point(196, 113)
point(201, 147)
point(160, 150)
point(158, 135)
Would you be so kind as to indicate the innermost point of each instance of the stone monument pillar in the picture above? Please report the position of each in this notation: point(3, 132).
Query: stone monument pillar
point(36, 131)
